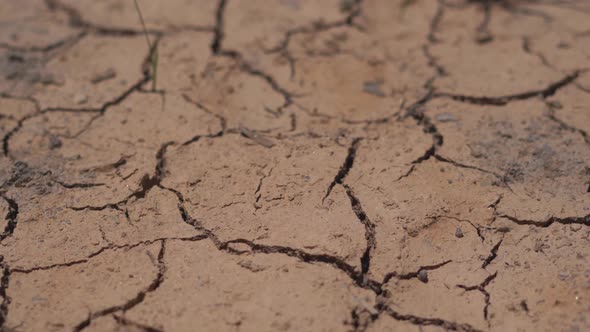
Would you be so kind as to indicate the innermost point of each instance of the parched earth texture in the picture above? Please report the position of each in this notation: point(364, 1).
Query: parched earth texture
point(298, 165)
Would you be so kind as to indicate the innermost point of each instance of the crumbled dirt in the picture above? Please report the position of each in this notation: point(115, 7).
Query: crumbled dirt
point(364, 165)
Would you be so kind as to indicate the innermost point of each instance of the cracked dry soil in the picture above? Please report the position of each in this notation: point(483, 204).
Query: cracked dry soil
point(368, 165)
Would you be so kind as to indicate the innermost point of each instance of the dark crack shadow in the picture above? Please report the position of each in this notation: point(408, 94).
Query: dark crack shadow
point(137, 299)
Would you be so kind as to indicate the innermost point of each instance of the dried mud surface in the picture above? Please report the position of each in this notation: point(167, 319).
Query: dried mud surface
point(364, 165)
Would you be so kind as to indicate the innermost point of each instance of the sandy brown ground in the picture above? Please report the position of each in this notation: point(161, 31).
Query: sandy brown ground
point(303, 165)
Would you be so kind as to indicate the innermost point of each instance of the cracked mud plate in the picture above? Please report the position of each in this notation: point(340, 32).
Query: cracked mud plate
point(364, 165)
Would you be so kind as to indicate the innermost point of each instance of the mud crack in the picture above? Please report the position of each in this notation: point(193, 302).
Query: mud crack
point(361, 215)
point(146, 184)
point(422, 321)
point(102, 250)
point(46, 48)
point(357, 276)
point(354, 10)
point(482, 289)
point(550, 90)
point(218, 50)
point(500, 178)
point(75, 20)
point(99, 113)
point(4, 282)
point(416, 112)
point(493, 254)
point(345, 168)
point(583, 220)
point(11, 218)
point(553, 117)
point(137, 299)
point(435, 22)
point(129, 323)
point(218, 32)
point(417, 274)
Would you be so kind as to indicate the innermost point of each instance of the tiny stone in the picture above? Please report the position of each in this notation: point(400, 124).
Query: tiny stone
point(38, 299)
point(445, 117)
point(459, 232)
point(374, 88)
point(50, 78)
point(80, 98)
point(103, 76)
point(503, 229)
point(54, 142)
point(484, 37)
point(563, 44)
point(563, 275)
point(423, 276)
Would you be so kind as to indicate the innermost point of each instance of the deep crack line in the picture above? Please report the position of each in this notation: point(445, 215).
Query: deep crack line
point(562, 125)
point(482, 289)
point(499, 177)
point(483, 31)
point(137, 299)
point(52, 5)
point(282, 48)
point(99, 113)
point(583, 220)
point(218, 50)
point(435, 22)
point(11, 218)
point(10, 133)
point(316, 27)
point(76, 20)
point(361, 280)
point(411, 275)
point(493, 254)
point(550, 90)
point(46, 48)
point(422, 321)
point(432, 61)
point(461, 165)
point(4, 283)
point(345, 168)
point(78, 185)
point(200, 106)
point(429, 128)
point(270, 80)
point(370, 234)
point(333, 261)
point(218, 30)
point(127, 322)
point(257, 193)
point(416, 112)
point(198, 237)
point(146, 183)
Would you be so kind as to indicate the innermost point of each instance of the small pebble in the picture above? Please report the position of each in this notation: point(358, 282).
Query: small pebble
point(374, 88)
point(50, 78)
point(54, 142)
point(445, 117)
point(459, 232)
point(103, 76)
point(423, 276)
point(80, 98)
